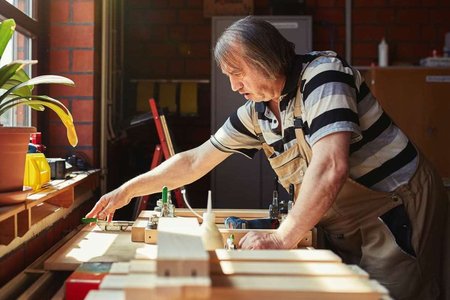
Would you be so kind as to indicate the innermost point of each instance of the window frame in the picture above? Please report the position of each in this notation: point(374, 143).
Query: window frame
point(27, 26)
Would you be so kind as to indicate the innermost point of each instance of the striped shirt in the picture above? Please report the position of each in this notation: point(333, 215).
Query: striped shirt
point(335, 99)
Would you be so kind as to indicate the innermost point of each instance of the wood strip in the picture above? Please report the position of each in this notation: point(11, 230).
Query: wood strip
point(180, 249)
point(285, 269)
point(319, 287)
point(95, 246)
point(105, 294)
point(138, 230)
point(183, 288)
point(122, 268)
point(150, 236)
point(221, 214)
point(299, 255)
point(142, 266)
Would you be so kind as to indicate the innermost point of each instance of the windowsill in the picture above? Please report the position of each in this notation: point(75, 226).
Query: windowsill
point(21, 222)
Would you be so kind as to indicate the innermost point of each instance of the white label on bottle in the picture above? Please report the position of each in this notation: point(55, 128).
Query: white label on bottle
point(437, 78)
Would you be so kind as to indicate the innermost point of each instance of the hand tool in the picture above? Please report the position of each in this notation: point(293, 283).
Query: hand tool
point(238, 223)
point(274, 212)
point(108, 226)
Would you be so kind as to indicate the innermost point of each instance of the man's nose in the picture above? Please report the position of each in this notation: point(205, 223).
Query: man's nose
point(236, 84)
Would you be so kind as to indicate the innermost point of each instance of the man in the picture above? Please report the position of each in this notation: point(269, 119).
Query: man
point(356, 174)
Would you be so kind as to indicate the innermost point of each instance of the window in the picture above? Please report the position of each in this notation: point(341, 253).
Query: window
point(21, 46)
point(26, 6)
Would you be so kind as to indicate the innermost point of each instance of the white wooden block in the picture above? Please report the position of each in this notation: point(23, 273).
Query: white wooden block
point(143, 266)
point(147, 252)
point(180, 248)
point(183, 287)
point(299, 255)
point(319, 287)
point(119, 268)
point(140, 286)
point(114, 282)
point(105, 294)
point(285, 269)
point(150, 236)
point(138, 229)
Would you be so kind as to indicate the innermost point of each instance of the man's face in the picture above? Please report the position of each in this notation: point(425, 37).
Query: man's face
point(250, 82)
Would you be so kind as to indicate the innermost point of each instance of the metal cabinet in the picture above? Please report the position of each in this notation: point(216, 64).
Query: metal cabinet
point(239, 182)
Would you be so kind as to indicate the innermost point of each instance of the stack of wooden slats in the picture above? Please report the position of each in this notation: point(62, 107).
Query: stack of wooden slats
point(178, 267)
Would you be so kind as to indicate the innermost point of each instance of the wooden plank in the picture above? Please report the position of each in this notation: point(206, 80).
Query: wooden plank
point(95, 246)
point(299, 255)
point(183, 287)
point(138, 230)
point(63, 199)
point(279, 287)
point(142, 266)
point(221, 214)
point(62, 187)
point(147, 252)
point(140, 286)
point(105, 294)
point(9, 230)
point(40, 212)
point(150, 236)
point(10, 210)
point(38, 287)
point(120, 268)
point(180, 249)
point(23, 222)
point(285, 269)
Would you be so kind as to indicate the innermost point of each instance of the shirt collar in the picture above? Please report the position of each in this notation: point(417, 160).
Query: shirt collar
point(292, 81)
point(293, 75)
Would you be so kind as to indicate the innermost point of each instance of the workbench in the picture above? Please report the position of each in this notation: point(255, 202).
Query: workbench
point(134, 268)
point(36, 226)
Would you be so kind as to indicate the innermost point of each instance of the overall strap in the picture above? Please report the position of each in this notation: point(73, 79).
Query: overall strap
point(305, 148)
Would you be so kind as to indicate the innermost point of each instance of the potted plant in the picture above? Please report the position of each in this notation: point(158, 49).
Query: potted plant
point(16, 89)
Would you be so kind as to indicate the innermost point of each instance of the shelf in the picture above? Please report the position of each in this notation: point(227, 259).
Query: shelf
point(17, 220)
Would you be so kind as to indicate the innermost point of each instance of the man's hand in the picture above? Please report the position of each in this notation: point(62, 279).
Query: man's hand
point(259, 240)
point(105, 207)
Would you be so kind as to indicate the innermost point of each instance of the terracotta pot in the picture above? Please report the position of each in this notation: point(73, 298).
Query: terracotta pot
point(13, 149)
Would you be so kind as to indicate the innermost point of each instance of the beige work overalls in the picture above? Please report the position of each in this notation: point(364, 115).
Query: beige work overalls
point(354, 229)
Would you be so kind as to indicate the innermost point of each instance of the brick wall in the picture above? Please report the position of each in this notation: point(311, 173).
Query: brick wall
point(71, 54)
point(172, 38)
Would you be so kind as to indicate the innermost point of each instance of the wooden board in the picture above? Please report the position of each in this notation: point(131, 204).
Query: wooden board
point(295, 287)
point(93, 245)
point(298, 255)
point(180, 249)
point(138, 230)
point(286, 269)
point(221, 214)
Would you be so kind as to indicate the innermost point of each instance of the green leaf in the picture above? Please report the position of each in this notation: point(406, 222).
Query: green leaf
point(13, 100)
point(7, 28)
point(9, 70)
point(44, 79)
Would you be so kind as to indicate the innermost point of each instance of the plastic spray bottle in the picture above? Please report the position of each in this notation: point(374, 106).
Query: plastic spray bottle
point(211, 236)
point(383, 53)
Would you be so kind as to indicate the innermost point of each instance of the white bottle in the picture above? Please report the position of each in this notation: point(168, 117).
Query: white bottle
point(211, 236)
point(383, 53)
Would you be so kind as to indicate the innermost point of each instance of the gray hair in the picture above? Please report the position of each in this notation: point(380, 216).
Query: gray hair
point(262, 45)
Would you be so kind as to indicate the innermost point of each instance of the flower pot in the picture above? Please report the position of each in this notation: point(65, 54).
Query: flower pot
point(13, 149)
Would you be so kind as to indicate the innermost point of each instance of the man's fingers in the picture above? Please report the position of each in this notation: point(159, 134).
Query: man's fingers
point(107, 213)
point(242, 242)
point(98, 208)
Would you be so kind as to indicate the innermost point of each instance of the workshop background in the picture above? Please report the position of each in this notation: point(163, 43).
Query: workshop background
point(171, 39)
